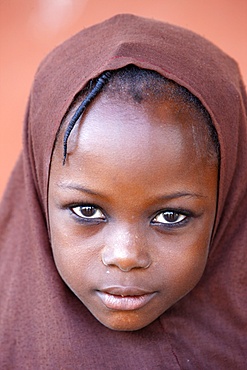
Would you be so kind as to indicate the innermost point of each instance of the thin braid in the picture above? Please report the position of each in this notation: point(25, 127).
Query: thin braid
point(100, 83)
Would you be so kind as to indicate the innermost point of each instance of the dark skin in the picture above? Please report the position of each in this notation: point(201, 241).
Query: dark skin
point(132, 211)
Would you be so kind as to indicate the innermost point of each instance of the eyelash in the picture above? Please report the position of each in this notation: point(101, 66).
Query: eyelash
point(184, 214)
point(86, 219)
point(178, 213)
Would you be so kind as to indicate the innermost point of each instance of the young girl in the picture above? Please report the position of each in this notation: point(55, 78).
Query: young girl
point(123, 227)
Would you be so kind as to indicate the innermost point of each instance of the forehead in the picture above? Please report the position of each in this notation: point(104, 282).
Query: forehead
point(121, 115)
point(133, 133)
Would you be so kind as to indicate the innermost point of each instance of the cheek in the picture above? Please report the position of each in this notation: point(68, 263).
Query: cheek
point(182, 264)
point(189, 270)
point(72, 261)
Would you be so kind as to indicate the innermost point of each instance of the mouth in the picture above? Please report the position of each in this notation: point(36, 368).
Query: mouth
point(125, 298)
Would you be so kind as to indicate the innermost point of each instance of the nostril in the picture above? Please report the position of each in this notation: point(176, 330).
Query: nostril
point(125, 269)
point(127, 263)
point(126, 249)
point(148, 265)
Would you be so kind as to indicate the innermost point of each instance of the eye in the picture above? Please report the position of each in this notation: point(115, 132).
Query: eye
point(169, 218)
point(88, 212)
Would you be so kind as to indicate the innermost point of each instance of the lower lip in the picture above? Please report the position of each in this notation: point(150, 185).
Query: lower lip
point(128, 303)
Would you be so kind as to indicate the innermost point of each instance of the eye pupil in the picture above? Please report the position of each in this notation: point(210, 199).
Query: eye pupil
point(88, 211)
point(171, 216)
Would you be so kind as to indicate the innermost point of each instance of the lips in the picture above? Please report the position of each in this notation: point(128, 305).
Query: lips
point(125, 298)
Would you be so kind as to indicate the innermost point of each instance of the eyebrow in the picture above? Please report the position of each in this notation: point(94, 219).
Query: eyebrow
point(181, 195)
point(83, 189)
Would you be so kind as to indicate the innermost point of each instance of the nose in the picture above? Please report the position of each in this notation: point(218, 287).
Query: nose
point(126, 249)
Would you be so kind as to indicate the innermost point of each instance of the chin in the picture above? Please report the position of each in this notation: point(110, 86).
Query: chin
point(125, 322)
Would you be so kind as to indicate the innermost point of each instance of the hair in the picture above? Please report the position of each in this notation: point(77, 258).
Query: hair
point(140, 84)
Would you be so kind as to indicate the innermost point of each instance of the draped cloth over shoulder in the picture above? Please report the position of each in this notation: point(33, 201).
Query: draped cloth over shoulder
point(43, 325)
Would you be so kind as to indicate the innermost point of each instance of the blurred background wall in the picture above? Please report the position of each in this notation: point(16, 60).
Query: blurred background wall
point(29, 29)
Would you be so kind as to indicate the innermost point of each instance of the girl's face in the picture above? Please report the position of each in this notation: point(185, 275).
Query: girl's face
point(131, 213)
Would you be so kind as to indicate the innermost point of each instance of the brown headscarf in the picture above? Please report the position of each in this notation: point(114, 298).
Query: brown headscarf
point(43, 325)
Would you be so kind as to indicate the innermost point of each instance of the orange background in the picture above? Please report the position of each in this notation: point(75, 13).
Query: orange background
point(31, 28)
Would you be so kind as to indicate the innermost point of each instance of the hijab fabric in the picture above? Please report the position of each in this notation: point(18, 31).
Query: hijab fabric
point(43, 325)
